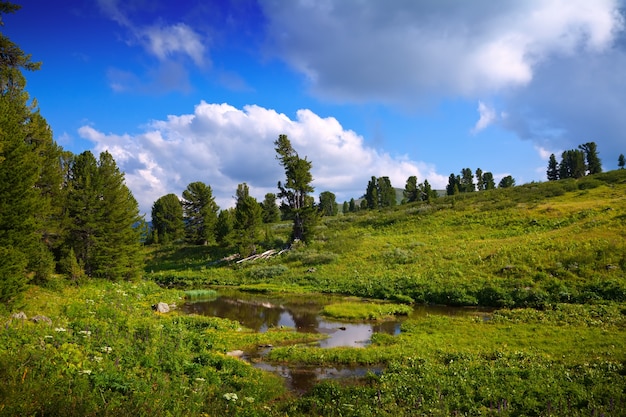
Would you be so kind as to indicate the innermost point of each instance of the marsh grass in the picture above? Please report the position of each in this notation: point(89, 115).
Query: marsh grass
point(365, 311)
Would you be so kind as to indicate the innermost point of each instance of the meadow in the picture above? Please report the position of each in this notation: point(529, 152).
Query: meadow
point(550, 258)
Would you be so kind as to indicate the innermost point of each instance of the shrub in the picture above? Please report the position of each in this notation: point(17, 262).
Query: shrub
point(268, 271)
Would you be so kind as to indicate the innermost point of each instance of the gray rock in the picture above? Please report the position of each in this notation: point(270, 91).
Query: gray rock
point(19, 316)
point(41, 319)
point(162, 308)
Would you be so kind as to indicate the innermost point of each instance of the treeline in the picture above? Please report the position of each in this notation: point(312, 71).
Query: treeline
point(59, 213)
point(575, 163)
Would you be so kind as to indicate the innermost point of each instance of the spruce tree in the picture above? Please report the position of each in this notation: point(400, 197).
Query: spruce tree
point(621, 161)
point(328, 204)
point(411, 190)
point(488, 182)
point(167, 219)
point(271, 212)
point(386, 192)
point(553, 169)
point(200, 213)
point(248, 219)
point(594, 166)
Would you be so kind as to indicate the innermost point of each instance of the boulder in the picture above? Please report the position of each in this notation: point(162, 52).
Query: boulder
point(235, 353)
point(161, 307)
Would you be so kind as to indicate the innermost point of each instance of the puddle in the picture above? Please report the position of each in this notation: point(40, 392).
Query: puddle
point(261, 312)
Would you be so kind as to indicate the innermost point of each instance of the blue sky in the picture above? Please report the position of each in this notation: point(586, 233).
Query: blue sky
point(199, 90)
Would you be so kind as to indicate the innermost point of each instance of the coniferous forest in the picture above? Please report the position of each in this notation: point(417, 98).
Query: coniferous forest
point(524, 288)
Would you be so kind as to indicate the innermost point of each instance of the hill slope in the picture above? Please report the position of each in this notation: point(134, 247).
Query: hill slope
point(539, 243)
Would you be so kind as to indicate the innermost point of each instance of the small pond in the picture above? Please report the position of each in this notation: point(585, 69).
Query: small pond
point(261, 312)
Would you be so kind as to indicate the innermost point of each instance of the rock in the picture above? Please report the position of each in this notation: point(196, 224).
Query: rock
point(235, 353)
point(41, 319)
point(161, 308)
point(19, 316)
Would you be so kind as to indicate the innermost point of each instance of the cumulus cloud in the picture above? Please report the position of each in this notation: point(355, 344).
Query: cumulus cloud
point(223, 146)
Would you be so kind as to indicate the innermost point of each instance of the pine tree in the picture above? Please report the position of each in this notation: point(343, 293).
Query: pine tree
point(466, 184)
point(453, 185)
point(506, 182)
point(480, 185)
point(271, 212)
point(594, 166)
point(167, 219)
point(224, 228)
point(553, 169)
point(248, 219)
point(488, 182)
point(328, 204)
point(345, 208)
point(621, 161)
point(295, 191)
point(386, 192)
point(372, 196)
point(411, 192)
point(200, 213)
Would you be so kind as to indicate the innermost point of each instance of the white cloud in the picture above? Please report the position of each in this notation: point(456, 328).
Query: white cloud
point(402, 51)
point(487, 116)
point(164, 41)
point(223, 146)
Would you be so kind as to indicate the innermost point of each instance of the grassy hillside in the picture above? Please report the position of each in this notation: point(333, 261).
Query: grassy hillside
point(558, 248)
point(531, 245)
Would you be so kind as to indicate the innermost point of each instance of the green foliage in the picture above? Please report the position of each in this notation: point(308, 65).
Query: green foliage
point(328, 204)
point(248, 218)
point(200, 213)
point(167, 219)
point(365, 311)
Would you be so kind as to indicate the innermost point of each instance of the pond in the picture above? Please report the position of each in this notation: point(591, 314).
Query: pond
point(261, 312)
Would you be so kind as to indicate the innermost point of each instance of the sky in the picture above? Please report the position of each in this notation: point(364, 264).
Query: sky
point(199, 90)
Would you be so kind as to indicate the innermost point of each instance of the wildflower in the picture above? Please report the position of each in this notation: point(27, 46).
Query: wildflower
point(231, 396)
point(106, 349)
point(200, 379)
point(249, 399)
point(85, 333)
point(86, 371)
point(59, 329)
point(48, 337)
point(97, 358)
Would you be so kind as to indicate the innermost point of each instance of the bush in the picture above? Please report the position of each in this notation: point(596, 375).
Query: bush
point(269, 271)
point(12, 272)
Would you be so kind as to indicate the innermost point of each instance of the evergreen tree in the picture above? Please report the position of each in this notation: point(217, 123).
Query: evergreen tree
point(248, 219)
point(553, 169)
point(572, 164)
point(200, 213)
point(411, 192)
point(453, 185)
point(506, 182)
point(467, 181)
point(352, 207)
point(621, 161)
point(271, 212)
point(295, 191)
point(488, 182)
point(345, 208)
point(594, 166)
point(167, 219)
point(224, 229)
point(372, 196)
point(426, 191)
point(21, 200)
point(117, 254)
point(480, 185)
point(328, 204)
point(386, 192)
point(104, 215)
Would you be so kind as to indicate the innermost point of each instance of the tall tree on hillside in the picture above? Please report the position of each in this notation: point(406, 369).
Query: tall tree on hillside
point(352, 207)
point(426, 192)
point(386, 192)
point(104, 215)
point(480, 186)
point(296, 189)
point(553, 169)
point(506, 182)
point(224, 229)
point(488, 182)
point(167, 219)
point(118, 254)
point(21, 203)
point(200, 213)
point(345, 208)
point(572, 164)
point(271, 212)
point(411, 192)
point(467, 181)
point(248, 219)
point(621, 161)
point(594, 166)
point(453, 185)
point(372, 196)
point(328, 204)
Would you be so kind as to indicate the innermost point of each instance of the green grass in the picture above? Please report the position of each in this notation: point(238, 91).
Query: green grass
point(365, 311)
point(550, 256)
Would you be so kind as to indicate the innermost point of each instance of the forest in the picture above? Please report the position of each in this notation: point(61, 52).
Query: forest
point(537, 271)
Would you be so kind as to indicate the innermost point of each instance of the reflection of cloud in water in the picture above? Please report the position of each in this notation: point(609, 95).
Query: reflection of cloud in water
point(352, 335)
point(286, 320)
